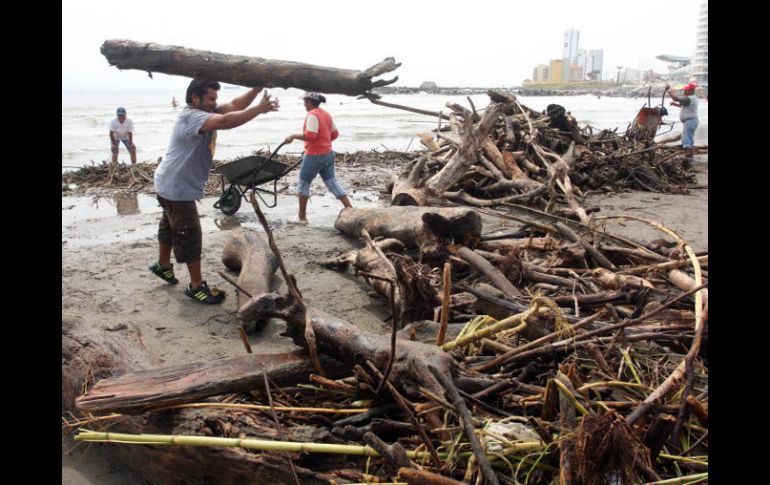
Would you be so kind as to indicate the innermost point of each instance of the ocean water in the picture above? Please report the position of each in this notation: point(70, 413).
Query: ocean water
point(362, 125)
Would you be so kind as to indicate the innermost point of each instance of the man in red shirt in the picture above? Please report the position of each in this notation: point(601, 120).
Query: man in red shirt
point(318, 132)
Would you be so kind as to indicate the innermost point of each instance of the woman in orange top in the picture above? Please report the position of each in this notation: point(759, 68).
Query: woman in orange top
point(318, 132)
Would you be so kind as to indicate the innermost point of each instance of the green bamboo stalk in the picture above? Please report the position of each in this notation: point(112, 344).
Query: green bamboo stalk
point(685, 459)
point(570, 396)
point(611, 384)
point(249, 443)
point(688, 480)
point(266, 445)
point(497, 327)
point(267, 408)
point(627, 358)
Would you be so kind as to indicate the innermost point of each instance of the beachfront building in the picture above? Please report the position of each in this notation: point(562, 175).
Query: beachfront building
point(594, 64)
point(570, 51)
point(629, 76)
point(700, 63)
point(540, 74)
point(581, 60)
point(555, 71)
point(575, 72)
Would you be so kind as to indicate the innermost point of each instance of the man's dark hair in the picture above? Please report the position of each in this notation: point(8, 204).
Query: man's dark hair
point(200, 87)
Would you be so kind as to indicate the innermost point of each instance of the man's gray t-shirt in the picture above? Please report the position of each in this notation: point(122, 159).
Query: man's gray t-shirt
point(689, 108)
point(182, 174)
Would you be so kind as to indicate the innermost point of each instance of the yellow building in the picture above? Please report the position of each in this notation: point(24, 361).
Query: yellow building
point(555, 70)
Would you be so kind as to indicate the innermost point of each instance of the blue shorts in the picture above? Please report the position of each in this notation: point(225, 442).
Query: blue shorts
point(312, 166)
point(688, 132)
point(114, 148)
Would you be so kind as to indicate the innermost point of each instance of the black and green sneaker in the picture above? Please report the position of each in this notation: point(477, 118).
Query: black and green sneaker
point(204, 294)
point(166, 275)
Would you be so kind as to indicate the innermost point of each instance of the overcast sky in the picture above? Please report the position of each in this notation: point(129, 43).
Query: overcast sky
point(451, 42)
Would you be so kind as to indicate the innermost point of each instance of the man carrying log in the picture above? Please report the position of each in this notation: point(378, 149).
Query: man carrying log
point(181, 177)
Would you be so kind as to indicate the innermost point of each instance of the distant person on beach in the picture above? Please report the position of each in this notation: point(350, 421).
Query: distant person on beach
point(174, 104)
point(122, 130)
point(181, 177)
point(688, 114)
point(318, 132)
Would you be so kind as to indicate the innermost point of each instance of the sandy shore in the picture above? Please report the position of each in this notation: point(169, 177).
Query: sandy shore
point(107, 244)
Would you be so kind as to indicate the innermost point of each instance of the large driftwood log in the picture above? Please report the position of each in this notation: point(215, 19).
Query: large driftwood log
point(243, 70)
point(348, 343)
point(90, 353)
point(138, 392)
point(247, 253)
point(430, 229)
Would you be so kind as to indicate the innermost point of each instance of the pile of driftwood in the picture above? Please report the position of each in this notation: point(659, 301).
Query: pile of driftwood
point(110, 175)
point(138, 177)
point(377, 166)
point(510, 153)
point(538, 353)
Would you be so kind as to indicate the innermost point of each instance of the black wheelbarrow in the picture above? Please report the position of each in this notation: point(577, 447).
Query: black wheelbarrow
point(249, 173)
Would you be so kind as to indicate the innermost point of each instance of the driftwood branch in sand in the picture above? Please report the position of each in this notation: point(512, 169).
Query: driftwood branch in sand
point(427, 228)
point(247, 253)
point(243, 70)
point(135, 393)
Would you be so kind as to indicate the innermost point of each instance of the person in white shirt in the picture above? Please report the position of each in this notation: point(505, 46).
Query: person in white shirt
point(122, 129)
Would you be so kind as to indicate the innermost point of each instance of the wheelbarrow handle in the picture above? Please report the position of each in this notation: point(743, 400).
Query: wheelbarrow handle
point(276, 150)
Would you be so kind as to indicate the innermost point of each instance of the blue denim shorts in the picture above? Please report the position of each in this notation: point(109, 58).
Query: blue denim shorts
point(312, 165)
point(688, 132)
point(114, 148)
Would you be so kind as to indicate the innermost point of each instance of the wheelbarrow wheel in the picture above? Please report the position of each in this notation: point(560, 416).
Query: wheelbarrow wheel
point(230, 201)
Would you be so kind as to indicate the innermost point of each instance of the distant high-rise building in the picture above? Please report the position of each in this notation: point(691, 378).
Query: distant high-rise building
point(700, 63)
point(540, 74)
point(581, 60)
point(594, 64)
point(570, 51)
point(628, 75)
point(555, 71)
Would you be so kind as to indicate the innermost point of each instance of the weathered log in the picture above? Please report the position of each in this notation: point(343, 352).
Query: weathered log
point(247, 253)
point(137, 392)
point(243, 70)
point(430, 229)
point(89, 353)
point(341, 340)
point(493, 154)
point(497, 278)
point(405, 189)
